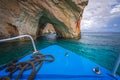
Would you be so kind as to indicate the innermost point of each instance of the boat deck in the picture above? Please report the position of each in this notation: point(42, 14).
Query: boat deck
point(69, 67)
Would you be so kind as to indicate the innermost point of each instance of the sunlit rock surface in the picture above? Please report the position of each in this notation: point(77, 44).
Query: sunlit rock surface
point(49, 28)
point(18, 17)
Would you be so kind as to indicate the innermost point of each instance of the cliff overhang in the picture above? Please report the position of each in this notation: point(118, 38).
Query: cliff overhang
point(18, 17)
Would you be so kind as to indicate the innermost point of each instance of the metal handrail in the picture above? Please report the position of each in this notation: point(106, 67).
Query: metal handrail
point(21, 36)
point(117, 63)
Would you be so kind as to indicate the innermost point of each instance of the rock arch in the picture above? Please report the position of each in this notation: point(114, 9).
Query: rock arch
point(31, 16)
point(61, 29)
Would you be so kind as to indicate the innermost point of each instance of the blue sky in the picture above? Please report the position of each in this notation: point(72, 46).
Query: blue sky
point(101, 16)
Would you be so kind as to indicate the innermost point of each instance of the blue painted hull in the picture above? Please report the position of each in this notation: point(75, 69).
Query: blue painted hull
point(71, 67)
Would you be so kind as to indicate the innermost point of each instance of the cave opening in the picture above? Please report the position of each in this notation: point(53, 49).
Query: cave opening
point(60, 30)
point(49, 32)
point(46, 29)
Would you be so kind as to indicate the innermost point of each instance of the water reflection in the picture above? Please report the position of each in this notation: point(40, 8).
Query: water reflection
point(50, 37)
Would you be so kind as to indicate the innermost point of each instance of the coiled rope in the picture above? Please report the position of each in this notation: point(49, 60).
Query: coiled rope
point(37, 60)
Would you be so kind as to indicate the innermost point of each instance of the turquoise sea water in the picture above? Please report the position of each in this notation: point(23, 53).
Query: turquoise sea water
point(102, 48)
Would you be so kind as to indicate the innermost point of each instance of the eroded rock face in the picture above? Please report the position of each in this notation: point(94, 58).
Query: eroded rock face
point(19, 17)
point(49, 28)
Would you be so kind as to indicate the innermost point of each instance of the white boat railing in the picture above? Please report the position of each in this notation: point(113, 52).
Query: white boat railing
point(21, 36)
point(117, 63)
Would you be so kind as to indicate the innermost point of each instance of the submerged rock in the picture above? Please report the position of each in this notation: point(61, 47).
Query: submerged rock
point(19, 17)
